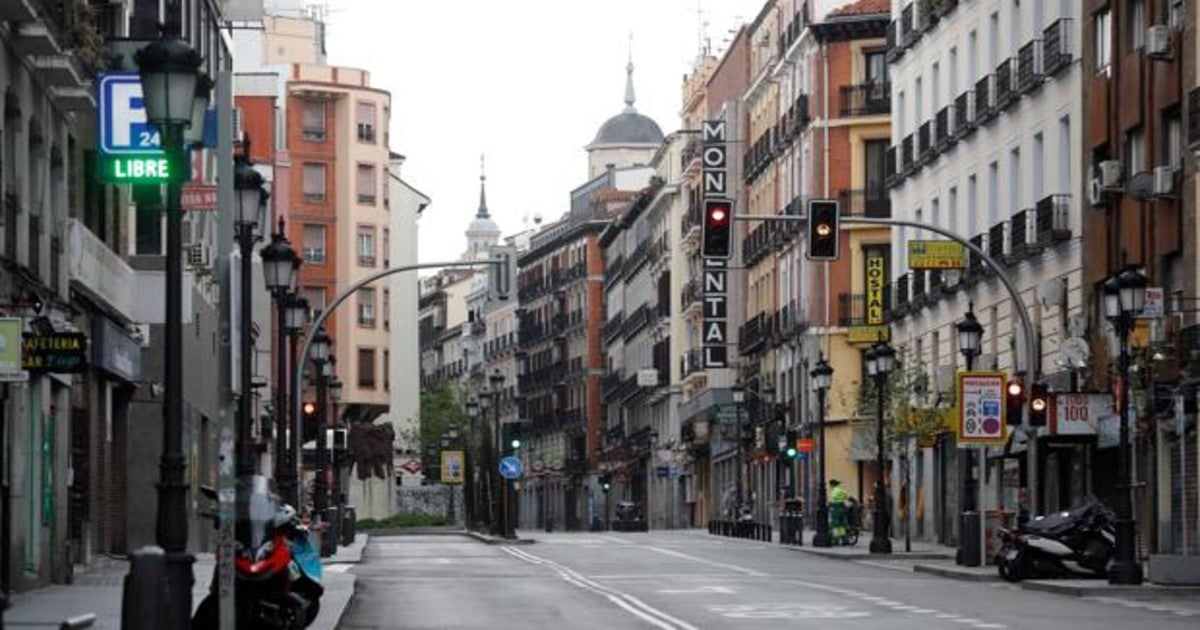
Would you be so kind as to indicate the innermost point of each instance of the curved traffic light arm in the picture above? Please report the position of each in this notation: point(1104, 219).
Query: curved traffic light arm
point(1029, 365)
point(500, 263)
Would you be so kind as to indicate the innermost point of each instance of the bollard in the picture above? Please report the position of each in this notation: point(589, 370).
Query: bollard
point(145, 590)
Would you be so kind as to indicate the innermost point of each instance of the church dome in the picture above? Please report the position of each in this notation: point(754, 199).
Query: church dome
point(628, 127)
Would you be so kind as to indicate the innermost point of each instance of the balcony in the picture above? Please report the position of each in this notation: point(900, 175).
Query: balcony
point(909, 33)
point(11, 210)
point(985, 109)
point(894, 50)
point(692, 294)
point(35, 244)
point(889, 168)
point(907, 164)
point(868, 99)
point(757, 244)
point(1019, 245)
point(753, 336)
point(976, 268)
point(787, 321)
point(853, 309)
point(1056, 47)
point(692, 362)
point(924, 143)
point(1029, 67)
point(637, 320)
point(941, 128)
point(995, 241)
point(873, 202)
point(900, 299)
point(918, 287)
point(791, 33)
point(1005, 93)
point(964, 115)
point(613, 326)
point(1193, 118)
point(1053, 219)
point(691, 153)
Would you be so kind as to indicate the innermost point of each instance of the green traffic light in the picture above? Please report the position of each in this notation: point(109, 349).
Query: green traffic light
point(791, 452)
point(516, 443)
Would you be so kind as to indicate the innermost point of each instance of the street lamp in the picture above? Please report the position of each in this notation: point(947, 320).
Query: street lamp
point(500, 523)
point(880, 358)
point(194, 136)
point(329, 543)
point(970, 341)
point(739, 399)
point(278, 270)
point(168, 69)
point(321, 345)
point(822, 376)
point(1124, 300)
point(469, 494)
point(251, 213)
point(295, 318)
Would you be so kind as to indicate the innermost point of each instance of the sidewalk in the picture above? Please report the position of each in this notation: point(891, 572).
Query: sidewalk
point(920, 550)
point(98, 591)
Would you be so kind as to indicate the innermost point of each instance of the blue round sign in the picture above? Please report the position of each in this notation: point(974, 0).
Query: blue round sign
point(511, 467)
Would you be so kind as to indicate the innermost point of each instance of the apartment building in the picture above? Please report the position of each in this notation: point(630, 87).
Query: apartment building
point(986, 136)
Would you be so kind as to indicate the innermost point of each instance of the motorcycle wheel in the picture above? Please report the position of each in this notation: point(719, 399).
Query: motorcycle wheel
point(852, 537)
point(1010, 570)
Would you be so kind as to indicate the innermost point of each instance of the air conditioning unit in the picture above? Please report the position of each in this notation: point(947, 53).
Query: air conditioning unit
point(1158, 42)
point(1096, 193)
point(1164, 181)
point(1110, 174)
point(199, 257)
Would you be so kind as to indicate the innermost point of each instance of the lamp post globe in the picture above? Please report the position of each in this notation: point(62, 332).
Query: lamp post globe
point(277, 259)
point(169, 69)
point(473, 408)
point(321, 344)
point(295, 314)
point(1112, 298)
point(1132, 286)
point(335, 389)
point(970, 335)
point(251, 198)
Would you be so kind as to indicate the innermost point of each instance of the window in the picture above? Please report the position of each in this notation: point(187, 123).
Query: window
point(314, 244)
point(935, 212)
point(365, 122)
point(386, 307)
point(993, 40)
point(1175, 13)
point(1103, 38)
point(1135, 152)
point(972, 58)
point(1172, 138)
point(387, 247)
point(1014, 181)
point(1135, 37)
point(387, 371)
point(316, 299)
point(918, 102)
point(312, 120)
point(366, 307)
point(993, 194)
point(366, 368)
point(972, 201)
point(366, 246)
point(1038, 183)
point(952, 208)
point(953, 71)
point(365, 183)
point(875, 65)
point(1064, 154)
point(935, 85)
point(1015, 31)
point(314, 182)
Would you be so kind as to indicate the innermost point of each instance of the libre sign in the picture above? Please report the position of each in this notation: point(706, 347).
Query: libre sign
point(980, 408)
point(716, 307)
point(130, 148)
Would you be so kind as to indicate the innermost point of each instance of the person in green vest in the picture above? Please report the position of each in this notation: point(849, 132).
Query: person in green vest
point(837, 511)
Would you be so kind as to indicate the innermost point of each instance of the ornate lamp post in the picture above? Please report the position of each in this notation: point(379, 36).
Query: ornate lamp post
point(336, 454)
point(169, 69)
point(295, 318)
point(1124, 300)
point(469, 491)
point(970, 340)
point(277, 277)
point(880, 358)
point(822, 377)
point(320, 357)
point(739, 399)
point(449, 438)
point(499, 511)
point(251, 213)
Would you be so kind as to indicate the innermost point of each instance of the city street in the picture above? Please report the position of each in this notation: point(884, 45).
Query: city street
point(689, 579)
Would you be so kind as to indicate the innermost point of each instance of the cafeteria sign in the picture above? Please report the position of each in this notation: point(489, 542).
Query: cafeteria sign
point(936, 255)
point(65, 353)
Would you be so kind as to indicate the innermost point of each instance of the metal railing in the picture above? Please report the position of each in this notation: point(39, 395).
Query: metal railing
point(1056, 46)
point(866, 99)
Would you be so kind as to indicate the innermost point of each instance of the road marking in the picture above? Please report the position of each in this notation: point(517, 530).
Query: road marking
point(699, 590)
point(615, 539)
point(711, 563)
point(631, 604)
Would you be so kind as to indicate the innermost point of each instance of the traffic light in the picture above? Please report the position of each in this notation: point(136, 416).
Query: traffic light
point(823, 230)
point(606, 482)
point(717, 237)
point(1014, 399)
point(1039, 404)
point(791, 450)
point(309, 410)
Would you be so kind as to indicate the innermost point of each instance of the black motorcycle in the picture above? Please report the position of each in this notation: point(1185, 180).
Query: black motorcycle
point(1075, 543)
point(277, 571)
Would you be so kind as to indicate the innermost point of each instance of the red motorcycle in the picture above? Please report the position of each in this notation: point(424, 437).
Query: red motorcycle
point(277, 571)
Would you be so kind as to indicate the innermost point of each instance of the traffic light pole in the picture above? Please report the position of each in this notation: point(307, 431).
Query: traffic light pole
point(499, 264)
point(1030, 364)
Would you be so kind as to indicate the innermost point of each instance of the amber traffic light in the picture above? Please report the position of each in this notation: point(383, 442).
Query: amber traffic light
point(823, 229)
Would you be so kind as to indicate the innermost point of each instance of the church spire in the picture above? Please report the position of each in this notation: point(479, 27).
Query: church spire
point(629, 98)
point(483, 210)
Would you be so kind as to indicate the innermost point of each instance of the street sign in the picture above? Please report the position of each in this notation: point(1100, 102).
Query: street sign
point(980, 408)
point(122, 124)
point(1155, 305)
point(1078, 414)
point(805, 445)
point(413, 466)
point(936, 255)
point(662, 472)
point(511, 467)
point(452, 467)
point(198, 197)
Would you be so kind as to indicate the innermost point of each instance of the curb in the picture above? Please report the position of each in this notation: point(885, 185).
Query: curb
point(493, 540)
point(415, 531)
point(851, 557)
point(1102, 589)
point(955, 573)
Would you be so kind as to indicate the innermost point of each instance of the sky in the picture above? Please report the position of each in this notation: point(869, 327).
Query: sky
point(526, 83)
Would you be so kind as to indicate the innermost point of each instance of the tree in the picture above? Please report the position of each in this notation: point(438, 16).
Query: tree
point(907, 414)
point(441, 407)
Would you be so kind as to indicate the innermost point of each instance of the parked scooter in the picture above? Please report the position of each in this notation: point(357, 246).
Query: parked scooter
point(1076, 543)
point(277, 570)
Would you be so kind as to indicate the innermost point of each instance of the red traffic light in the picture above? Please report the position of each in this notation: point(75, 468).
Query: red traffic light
point(717, 232)
point(1016, 389)
point(718, 214)
point(310, 408)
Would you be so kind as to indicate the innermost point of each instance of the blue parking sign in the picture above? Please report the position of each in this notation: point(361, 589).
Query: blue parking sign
point(122, 124)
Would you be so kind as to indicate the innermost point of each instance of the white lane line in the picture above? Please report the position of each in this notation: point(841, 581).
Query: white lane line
point(711, 563)
point(614, 539)
point(642, 610)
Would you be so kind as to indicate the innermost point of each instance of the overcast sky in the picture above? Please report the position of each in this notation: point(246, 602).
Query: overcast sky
point(526, 82)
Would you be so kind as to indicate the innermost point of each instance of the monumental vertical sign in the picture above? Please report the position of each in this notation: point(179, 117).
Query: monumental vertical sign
point(715, 176)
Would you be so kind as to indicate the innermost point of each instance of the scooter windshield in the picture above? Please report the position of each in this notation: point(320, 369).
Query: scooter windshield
point(256, 509)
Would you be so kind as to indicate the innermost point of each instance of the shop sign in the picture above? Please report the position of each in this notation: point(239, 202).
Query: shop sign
point(1078, 414)
point(64, 353)
point(981, 408)
point(10, 350)
point(936, 255)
